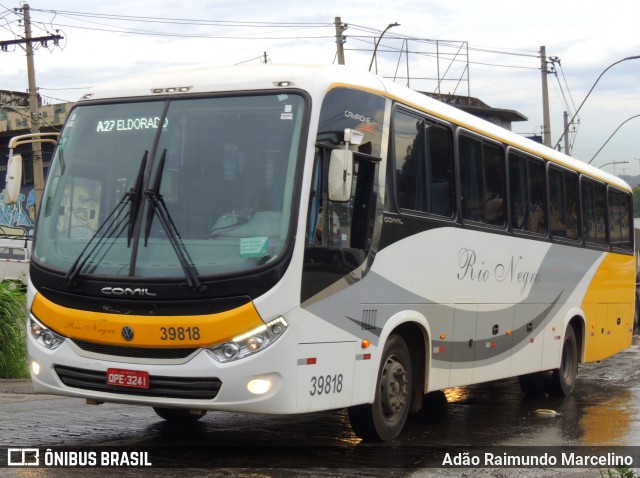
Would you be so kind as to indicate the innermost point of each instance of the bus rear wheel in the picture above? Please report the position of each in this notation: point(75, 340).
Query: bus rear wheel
point(384, 419)
point(562, 380)
point(179, 415)
point(559, 382)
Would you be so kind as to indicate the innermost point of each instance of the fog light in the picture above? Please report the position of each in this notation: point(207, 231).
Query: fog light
point(259, 386)
point(35, 367)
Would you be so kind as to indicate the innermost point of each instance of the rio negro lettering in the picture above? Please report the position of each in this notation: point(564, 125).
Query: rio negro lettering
point(511, 271)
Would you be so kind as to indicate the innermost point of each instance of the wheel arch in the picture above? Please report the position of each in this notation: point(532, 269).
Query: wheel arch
point(416, 335)
point(578, 322)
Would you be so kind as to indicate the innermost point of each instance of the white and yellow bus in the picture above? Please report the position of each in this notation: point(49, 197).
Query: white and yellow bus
point(288, 239)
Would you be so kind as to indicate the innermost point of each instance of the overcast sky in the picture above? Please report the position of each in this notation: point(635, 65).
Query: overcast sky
point(498, 40)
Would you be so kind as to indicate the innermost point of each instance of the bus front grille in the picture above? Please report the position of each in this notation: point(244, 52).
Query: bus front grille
point(194, 388)
point(138, 352)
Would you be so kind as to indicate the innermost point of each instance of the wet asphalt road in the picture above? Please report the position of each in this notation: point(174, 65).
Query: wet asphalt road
point(604, 410)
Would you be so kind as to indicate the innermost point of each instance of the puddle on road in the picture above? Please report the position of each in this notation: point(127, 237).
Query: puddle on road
point(603, 410)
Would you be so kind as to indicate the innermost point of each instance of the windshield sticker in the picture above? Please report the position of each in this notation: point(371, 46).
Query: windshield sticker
point(130, 124)
point(254, 246)
point(70, 121)
point(288, 113)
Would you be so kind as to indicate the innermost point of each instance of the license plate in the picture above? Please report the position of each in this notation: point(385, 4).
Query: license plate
point(127, 378)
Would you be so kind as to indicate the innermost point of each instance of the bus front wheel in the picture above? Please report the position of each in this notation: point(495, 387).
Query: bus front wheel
point(384, 419)
point(179, 415)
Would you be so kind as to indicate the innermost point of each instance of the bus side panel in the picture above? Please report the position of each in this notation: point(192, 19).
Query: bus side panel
point(493, 342)
point(325, 375)
point(527, 352)
point(464, 327)
point(609, 307)
point(441, 322)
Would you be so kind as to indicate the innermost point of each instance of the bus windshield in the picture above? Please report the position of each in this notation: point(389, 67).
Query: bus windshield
point(214, 174)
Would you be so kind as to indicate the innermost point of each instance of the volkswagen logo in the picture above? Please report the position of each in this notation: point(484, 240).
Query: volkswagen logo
point(127, 333)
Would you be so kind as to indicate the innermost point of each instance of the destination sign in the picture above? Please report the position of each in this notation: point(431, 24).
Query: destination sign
point(130, 124)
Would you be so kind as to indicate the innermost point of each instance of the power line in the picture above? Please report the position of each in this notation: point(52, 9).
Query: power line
point(390, 49)
point(195, 35)
point(256, 24)
point(452, 43)
point(181, 21)
point(449, 50)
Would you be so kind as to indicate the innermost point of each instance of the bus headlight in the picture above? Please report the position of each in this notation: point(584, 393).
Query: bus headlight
point(43, 335)
point(249, 343)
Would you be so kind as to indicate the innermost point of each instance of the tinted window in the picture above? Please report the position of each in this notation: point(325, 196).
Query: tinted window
point(527, 186)
point(482, 181)
point(619, 219)
point(409, 144)
point(424, 165)
point(594, 228)
point(563, 207)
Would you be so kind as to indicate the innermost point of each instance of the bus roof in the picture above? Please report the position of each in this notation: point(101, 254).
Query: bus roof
point(317, 79)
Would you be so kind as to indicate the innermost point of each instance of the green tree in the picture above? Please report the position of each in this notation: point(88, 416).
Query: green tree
point(13, 346)
point(636, 201)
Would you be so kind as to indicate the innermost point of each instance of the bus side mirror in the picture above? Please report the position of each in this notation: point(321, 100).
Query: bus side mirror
point(341, 167)
point(13, 179)
point(340, 175)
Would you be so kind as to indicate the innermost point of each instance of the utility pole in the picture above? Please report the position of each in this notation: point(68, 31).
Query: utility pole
point(340, 39)
point(546, 128)
point(34, 111)
point(567, 148)
point(34, 107)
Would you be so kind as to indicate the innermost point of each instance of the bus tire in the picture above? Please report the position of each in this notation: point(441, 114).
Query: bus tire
point(179, 415)
point(384, 419)
point(562, 380)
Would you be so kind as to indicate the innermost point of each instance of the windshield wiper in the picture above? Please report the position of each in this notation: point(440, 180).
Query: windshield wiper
point(112, 226)
point(135, 196)
point(158, 207)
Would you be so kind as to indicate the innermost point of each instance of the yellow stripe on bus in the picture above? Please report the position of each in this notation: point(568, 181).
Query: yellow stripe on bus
point(608, 307)
point(148, 331)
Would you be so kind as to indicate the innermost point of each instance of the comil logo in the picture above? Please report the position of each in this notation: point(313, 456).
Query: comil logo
point(23, 457)
point(127, 291)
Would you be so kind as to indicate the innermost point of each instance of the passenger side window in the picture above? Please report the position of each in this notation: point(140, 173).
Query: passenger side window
point(563, 207)
point(619, 219)
point(424, 165)
point(527, 187)
point(482, 179)
point(409, 143)
point(594, 228)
